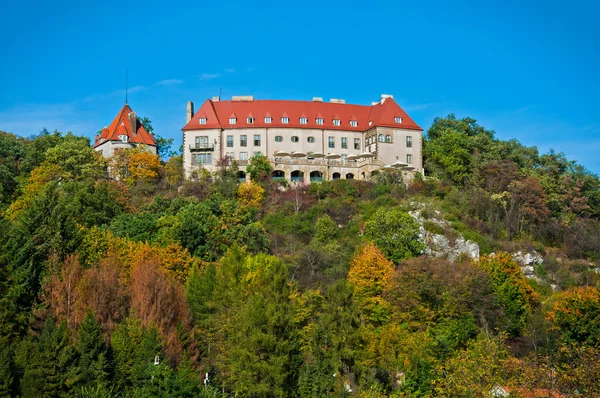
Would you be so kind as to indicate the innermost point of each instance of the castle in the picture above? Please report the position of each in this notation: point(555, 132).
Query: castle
point(303, 140)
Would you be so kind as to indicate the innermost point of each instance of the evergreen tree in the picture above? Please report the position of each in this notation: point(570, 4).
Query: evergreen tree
point(6, 375)
point(93, 363)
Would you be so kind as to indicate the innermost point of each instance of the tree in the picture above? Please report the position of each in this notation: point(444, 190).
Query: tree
point(259, 169)
point(93, 363)
point(163, 145)
point(576, 313)
point(250, 194)
point(511, 288)
point(142, 166)
point(396, 233)
point(325, 229)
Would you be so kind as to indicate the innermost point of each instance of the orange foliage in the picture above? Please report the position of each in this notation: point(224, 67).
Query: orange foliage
point(370, 271)
point(158, 300)
point(60, 292)
point(576, 312)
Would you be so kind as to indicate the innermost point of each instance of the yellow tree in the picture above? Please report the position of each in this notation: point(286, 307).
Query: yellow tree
point(250, 194)
point(143, 166)
point(370, 272)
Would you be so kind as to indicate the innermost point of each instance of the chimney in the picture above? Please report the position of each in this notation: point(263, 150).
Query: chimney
point(133, 122)
point(374, 103)
point(385, 96)
point(317, 99)
point(337, 101)
point(190, 111)
point(216, 99)
point(242, 98)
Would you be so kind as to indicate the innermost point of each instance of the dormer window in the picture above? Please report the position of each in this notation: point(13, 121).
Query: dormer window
point(336, 122)
point(102, 139)
point(353, 123)
point(398, 119)
point(250, 120)
point(320, 121)
point(285, 120)
point(202, 120)
point(124, 138)
point(268, 120)
point(232, 120)
point(303, 120)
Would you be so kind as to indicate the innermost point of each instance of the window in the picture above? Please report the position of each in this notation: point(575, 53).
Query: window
point(353, 123)
point(123, 138)
point(398, 119)
point(408, 141)
point(201, 158)
point(285, 120)
point(336, 122)
point(256, 154)
point(202, 142)
point(331, 142)
point(344, 143)
point(366, 141)
point(295, 138)
point(303, 120)
point(232, 120)
point(243, 155)
point(388, 139)
point(380, 138)
point(357, 143)
point(268, 120)
point(310, 139)
point(409, 159)
point(250, 120)
point(243, 140)
point(257, 140)
point(102, 139)
point(229, 141)
point(278, 138)
point(320, 121)
point(202, 120)
point(230, 155)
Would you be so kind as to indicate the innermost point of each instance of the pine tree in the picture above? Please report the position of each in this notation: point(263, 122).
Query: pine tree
point(93, 362)
point(6, 375)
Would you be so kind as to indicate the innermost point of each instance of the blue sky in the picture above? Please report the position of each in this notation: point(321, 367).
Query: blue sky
point(527, 69)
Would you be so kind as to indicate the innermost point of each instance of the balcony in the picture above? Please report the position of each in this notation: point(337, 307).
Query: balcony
point(202, 147)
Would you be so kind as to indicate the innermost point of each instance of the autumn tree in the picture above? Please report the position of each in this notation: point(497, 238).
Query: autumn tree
point(142, 166)
point(576, 313)
point(250, 194)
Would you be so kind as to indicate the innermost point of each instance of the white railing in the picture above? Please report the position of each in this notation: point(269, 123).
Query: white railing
point(318, 162)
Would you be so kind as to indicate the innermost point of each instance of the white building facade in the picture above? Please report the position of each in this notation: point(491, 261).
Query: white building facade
point(304, 140)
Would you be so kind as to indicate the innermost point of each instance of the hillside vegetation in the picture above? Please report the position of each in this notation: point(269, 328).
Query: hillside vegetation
point(146, 285)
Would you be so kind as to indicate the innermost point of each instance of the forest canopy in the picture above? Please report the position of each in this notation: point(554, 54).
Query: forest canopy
point(144, 284)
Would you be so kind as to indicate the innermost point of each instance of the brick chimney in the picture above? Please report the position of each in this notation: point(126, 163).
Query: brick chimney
point(190, 111)
point(133, 122)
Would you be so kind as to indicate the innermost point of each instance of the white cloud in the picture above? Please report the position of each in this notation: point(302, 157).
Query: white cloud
point(209, 76)
point(230, 70)
point(168, 82)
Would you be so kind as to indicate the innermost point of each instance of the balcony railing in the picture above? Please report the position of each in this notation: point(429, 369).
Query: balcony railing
point(318, 162)
point(202, 147)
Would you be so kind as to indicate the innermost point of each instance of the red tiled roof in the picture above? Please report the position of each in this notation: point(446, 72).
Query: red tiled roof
point(121, 125)
point(382, 115)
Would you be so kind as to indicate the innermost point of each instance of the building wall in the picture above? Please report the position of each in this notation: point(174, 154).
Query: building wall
point(387, 153)
point(108, 148)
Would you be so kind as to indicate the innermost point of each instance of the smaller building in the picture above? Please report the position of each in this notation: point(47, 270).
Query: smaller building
point(125, 132)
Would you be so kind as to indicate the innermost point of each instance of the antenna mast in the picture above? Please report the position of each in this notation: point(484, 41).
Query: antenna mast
point(126, 76)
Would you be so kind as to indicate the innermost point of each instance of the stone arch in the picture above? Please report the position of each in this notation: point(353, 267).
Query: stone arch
point(336, 176)
point(278, 175)
point(349, 176)
point(297, 176)
point(374, 173)
point(316, 176)
point(362, 175)
point(242, 176)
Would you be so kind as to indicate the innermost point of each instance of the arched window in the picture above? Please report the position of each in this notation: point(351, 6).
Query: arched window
point(388, 139)
point(380, 138)
point(310, 139)
point(295, 138)
point(278, 138)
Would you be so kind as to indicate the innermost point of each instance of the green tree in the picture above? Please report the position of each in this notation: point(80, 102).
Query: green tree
point(325, 229)
point(6, 373)
point(259, 169)
point(93, 365)
point(163, 145)
point(47, 362)
point(396, 234)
